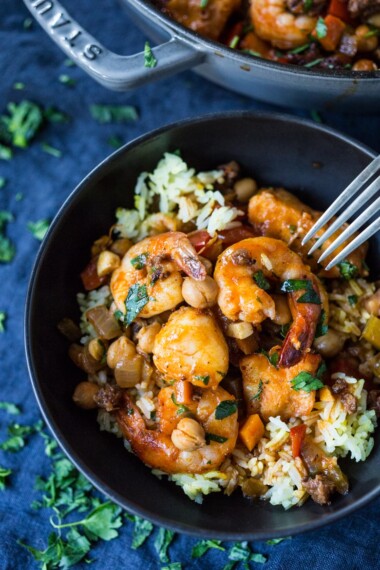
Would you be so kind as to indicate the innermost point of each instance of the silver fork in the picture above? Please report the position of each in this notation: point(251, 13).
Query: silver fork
point(353, 188)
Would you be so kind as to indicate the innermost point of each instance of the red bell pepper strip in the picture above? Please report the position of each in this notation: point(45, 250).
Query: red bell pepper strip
point(297, 435)
point(90, 277)
point(339, 9)
point(229, 237)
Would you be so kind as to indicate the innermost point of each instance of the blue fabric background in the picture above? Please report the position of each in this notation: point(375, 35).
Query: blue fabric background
point(28, 56)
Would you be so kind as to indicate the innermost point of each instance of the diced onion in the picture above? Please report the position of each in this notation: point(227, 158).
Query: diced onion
point(128, 373)
point(239, 330)
point(103, 322)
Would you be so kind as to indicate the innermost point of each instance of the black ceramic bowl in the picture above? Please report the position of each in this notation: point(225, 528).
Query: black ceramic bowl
point(313, 161)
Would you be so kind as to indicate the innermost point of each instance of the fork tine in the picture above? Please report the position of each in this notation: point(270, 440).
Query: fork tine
point(356, 204)
point(350, 191)
point(364, 217)
point(368, 232)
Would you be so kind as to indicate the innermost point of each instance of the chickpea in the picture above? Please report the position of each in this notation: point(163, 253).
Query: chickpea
point(128, 373)
point(200, 294)
point(365, 40)
point(99, 245)
point(84, 395)
point(146, 336)
point(96, 348)
point(120, 350)
point(121, 246)
point(245, 189)
point(372, 303)
point(240, 330)
point(330, 344)
point(189, 435)
point(283, 314)
point(207, 263)
point(364, 65)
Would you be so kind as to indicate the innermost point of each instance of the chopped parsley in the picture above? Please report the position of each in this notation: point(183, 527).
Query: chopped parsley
point(4, 473)
point(352, 299)
point(225, 409)
point(69, 63)
point(261, 281)
point(274, 541)
point(66, 80)
point(7, 249)
point(19, 196)
point(308, 4)
point(113, 113)
point(347, 270)
point(240, 552)
point(204, 379)
point(172, 566)
point(5, 152)
point(149, 59)
point(136, 300)
point(3, 318)
point(273, 358)
point(28, 23)
point(310, 296)
point(3, 181)
point(322, 327)
point(307, 382)
point(17, 435)
point(300, 49)
point(9, 408)
point(213, 437)
point(321, 28)
point(102, 522)
point(142, 530)
point(20, 126)
point(257, 396)
point(51, 150)
point(181, 408)
point(39, 228)
point(162, 542)
point(204, 545)
point(115, 141)
point(139, 262)
point(203, 4)
point(18, 86)
point(54, 115)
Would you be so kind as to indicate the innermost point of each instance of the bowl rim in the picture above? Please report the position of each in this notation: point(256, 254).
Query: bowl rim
point(79, 463)
point(217, 48)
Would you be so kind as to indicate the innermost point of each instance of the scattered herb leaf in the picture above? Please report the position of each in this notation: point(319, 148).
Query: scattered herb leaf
point(240, 552)
point(216, 438)
point(136, 300)
point(39, 228)
point(149, 59)
point(143, 529)
point(225, 409)
point(163, 540)
point(17, 435)
point(3, 318)
point(347, 270)
point(115, 141)
point(204, 379)
point(22, 123)
point(4, 473)
point(322, 326)
point(172, 566)
point(55, 116)
point(310, 296)
point(5, 152)
point(51, 150)
point(113, 113)
point(181, 408)
point(291, 285)
point(62, 553)
point(27, 24)
point(3, 181)
point(261, 281)
point(257, 396)
point(203, 4)
point(274, 541)
point(139, 262)
point(102, 522)
point(18, 86)
point(10, 408)
point(204, 545)
point(307, 382)
point(66, 80)
point(321, 28)
point(352, 299)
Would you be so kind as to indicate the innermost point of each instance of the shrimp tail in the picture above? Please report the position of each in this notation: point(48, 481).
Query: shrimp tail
point(187, 259)
point(297, 342)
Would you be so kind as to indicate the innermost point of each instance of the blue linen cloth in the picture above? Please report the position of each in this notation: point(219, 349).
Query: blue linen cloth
point(28, 56)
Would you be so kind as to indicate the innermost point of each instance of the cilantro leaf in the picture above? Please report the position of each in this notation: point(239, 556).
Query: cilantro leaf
point(39, 228)
point(229, 566)
point(225, 409)
point(310, 296)
point(5, 152)
point(163, 540)
point(274, 541)
point(139, 262)
point(352, 299)
point(172, 566)
point(214, 437)
point(321, 28)
point(4, 473)
point(3, 181)
point(23, 122)
point(240, 552)
point(17, 436)
point(143, 529)
point(347, 270)
point(258, 558)
point(322, 327)
point(113, 113)
point(136, 300)
point(51, 150)
point(66, 80)
point(204, 545)
point(9, 408)
point(115, 141)
point(291, 285)
point(307, 382)
point(273, 358)
point(308, 4)
point(181, 408)
point(3, 318)
point(54, 115)
point(261, 281)
point(204, 379)
point(102, 522)
point(7, 249)
point(149, 59)
point(59, 552)
point(257, 396)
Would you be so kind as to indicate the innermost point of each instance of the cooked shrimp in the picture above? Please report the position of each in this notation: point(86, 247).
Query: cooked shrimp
point(208, 20)
point(277, 213)
point(268, 390)
point(273, 21)
point(156, 263)
point(191, 346)
point(242, 271)
point(156, 448)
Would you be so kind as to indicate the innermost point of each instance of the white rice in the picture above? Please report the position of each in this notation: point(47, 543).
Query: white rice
point(87, 301)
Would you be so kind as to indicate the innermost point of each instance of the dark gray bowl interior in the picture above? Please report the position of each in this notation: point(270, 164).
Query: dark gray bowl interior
point(316, 163)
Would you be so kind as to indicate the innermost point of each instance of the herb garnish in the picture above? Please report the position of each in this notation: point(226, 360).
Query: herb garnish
point(274, 541)
point(5, 152)
point(3, 181)
point(142, 530)
point(54, 115)
point(321, 28)
point(307, 382)
point(273, 358)
point(3, 318)
point(51, 150)
point(204, 379)
point(18, 86)
point(234, 42)
point(113, 113)
point(163, 540)
point(139, 262)
point(136, 300)
point(21, 124)
point(10, 408)
point(308, 4)
point(257, 396)
point(310, 296)
point(352, 299)
point(39, 228)
point(225, 409)
point(322, 327)
point(214, 437)
point(66, 80)
point(115, 141)
point(300, 49)
point(17, 435)
point(4, 473)
point(261, 280)
point(203, 4)
point(347, 270)
point(241, 552)
point(204, 545)
point(181, 408)
point(149, 59)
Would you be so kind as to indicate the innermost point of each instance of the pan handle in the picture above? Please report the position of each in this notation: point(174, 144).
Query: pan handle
point(117, 72)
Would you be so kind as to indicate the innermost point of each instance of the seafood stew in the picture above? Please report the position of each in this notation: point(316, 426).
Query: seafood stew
point(316, 34)
point(221, 354)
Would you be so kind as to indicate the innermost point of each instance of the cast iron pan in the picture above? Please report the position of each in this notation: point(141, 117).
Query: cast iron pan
point(307, 158)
